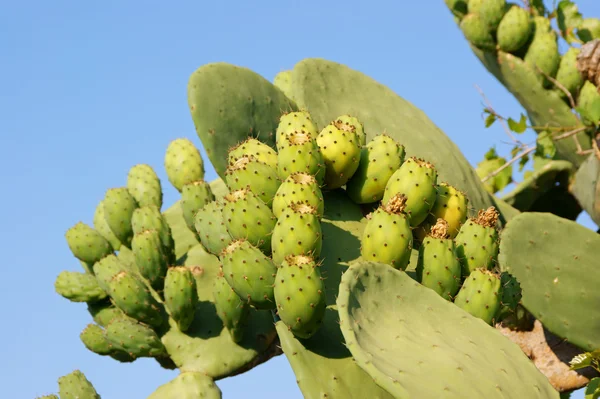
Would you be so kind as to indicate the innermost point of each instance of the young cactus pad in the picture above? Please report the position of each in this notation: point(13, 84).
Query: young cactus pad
point(556, 262)
point(429, 348)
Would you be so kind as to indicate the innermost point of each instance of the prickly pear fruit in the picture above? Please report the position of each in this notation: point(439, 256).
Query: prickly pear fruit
point(247, 216)
point(511, 295)
point(134, 338)
point(475, 5)
point(250, 273)
point(452, 205)
point(301, 154)
point(416, 179)
point(260, 178)
point(349, 123)
point(79, 287)
point(211, 228)
point(104, 312)
point(477, 32)
point(76, 386)
point(587, 96)
point(94, 340)
point(477, 242)
point(568, 75)
point(87, 244)
point(102, 227)
point(188, 385)
point(252, 147)
point(300, 295)
point(149, 218)
point(181, 296)
point(297, 232)
point(183, 163)
point(194, 196)
point(299, 121)
point(283, 81)
point(134, 299)
point(150, 257)
point(543, 53)
point(457, 7)
point(119, 206)
point(232, 311)
point(299, 187)
point(491, 12)
point(480, 295)
point(341, 153)
point(144, 185)
point(378, 161)
point(387, 237)
point(514, 29)
point(438, 266)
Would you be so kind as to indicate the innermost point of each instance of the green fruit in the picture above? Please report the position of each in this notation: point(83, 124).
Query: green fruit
point(119, 206)
point(543, 54)
point(341, 152)
point(491, 12)
point(252, 147)
point(150, 218)
point(301, 155)
point(183, 163)
point(106, 268)
point(387, 237)
point(249, 172)
point(416, 179)
point(194, 196)
point(300, 295)
point(349, 123)
point(511, 296)
point(451, 205)
point(76, 386)
point(181, 296)
point(457, 7)
point(568, 75)
point(102, 227)
point(250, 273)
point(87, 244)
point(150, 257)
point(134, 299)
point(232, 311)
point(480, 295)
point(297, 232)
point(94, 340)
point(514, 29)
point(144, 185)
point(438, 266)
point(134, 338)
point(477, 32)
point(283, 81)
point(378, 161)
point(477, 242)
point(211, 228)
point(79, 287)
point(299, 122)
point(475, 5)
point(247, 217)
point(299, 187)
point(588, 96)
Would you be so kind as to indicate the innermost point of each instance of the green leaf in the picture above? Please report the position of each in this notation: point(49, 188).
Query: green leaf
point(518, 127)
point(568, 20)
point(545, 145)
point(489, 121)
point(583, 360)
point(523, 161)
point(491, 154)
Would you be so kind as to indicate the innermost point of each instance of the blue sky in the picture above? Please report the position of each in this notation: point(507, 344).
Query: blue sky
point(90, 89)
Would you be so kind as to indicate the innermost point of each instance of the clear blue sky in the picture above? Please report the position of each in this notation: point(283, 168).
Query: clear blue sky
point(90, 89)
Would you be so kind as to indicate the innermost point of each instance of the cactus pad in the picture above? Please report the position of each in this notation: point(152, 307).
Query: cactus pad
point(144, 185)
point(76, 386)
point(188, 385)
point(79, 287)
point(87, 244)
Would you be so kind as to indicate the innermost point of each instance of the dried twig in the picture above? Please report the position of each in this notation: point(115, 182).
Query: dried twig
point(570, 133)
point(560, 86)
point(507, 164)
point(491, 110)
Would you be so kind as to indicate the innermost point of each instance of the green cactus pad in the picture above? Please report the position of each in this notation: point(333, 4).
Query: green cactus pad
point(340, 148)
point(416, 179)
point(294, 122)
point(232, 311)
point(477, 242)
point(119, 206)
point(379, 159)
point(211, 228)
point(79, 287)
point(260, 178)
point(93, 338)
point(106, 268)
point(183, 163)
point(255, 148)
point(194, 196)
point(351, 123)
point(299, 187)
point(477, 32)
point(556, 262)
point(301, 154)
point(514, 30)
point(586, 187)
point(188, 385)
point(300, 295)
point(76, 386)
point(150, 257)
point(150, 218)
point(144, 185)
point(258, 106)
point(297, 232)
point(476, 361)
point(283, 81)
point(104, 312)
point(131, 295)
point(87, 244)
point(134, 338)
point(481, 295)
point(247, 217)
point(103, 228)
point(181, 295)
point(250, 273)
